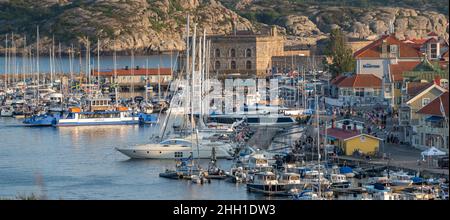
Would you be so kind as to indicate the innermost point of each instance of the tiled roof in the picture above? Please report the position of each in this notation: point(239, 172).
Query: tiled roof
point(434, 107)
point(340, 133)
point(373, 50)
point(136, 72)
point(361, 81)
point(337, 79)
point(400, 67)
point(415, 88)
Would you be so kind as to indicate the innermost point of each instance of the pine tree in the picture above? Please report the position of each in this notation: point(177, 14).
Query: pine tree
point(342, 56)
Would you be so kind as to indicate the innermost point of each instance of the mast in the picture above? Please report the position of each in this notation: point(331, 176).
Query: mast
point(37, 63)
point(24, 55)
point(318, 135)
point(192, 85)
point(132, 74)
point(98, 63)
point(146, 81)
point(6, 62)
point(115, 74)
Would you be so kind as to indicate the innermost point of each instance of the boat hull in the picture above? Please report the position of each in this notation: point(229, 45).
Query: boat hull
point(170, 154)
point(91, 123)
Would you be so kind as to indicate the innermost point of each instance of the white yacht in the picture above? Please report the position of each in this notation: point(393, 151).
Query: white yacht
point(179, 148)
point(253, 120)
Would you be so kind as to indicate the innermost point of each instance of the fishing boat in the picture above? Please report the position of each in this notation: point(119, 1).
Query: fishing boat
point(178, 148)
point(291, 181)
point(267, 184)
point(339, 181)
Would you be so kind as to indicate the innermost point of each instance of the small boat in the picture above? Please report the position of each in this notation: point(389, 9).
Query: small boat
point(201, 178)
point(184, 169)
point(42, 120)
point(291, 181)
point(267, 184)
point(7, 111)
point(399, 178)
point(347, 171)
point(339, 181)
point(306, 195)
point(237, 175)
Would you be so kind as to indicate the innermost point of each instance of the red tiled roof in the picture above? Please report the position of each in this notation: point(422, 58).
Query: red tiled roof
point(139, 72)
point(415, 88)
point(340, 133)
point(434, 107)
point(373, 50)
point(361, 81)
point(400, 67)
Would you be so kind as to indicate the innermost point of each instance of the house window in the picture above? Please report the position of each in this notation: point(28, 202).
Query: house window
point(359, 92)
point(248, 52)
point(233, 65)
point(393, 50)
point(398, 85)
point(217, 52)
point(425, 101)
point(217, 65)
point(248, 65)
point(433, 51)
point(232, 53)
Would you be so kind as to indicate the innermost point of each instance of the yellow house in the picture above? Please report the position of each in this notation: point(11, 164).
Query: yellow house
point(350, 141)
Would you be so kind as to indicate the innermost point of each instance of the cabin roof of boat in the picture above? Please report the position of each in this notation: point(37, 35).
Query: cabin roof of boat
point(99, 113)
point(266, 173)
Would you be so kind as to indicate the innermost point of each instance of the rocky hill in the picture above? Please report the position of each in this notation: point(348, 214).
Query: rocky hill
point(159, 25)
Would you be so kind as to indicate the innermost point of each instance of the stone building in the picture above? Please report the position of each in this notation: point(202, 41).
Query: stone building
point(245, 53)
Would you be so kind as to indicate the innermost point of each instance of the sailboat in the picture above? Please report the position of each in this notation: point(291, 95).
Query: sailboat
point(196, 145)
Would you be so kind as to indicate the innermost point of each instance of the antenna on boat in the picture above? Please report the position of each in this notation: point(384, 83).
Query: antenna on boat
point(6, 62)
point(37, 61)
point(115, 74)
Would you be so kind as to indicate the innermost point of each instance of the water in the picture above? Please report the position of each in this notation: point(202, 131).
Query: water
point(106, 62)
point(81, 163)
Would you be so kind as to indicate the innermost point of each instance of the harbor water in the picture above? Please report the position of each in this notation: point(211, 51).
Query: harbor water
point(106, 62)
point(81, 163)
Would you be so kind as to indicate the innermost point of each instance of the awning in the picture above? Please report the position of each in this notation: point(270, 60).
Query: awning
point(434, 118)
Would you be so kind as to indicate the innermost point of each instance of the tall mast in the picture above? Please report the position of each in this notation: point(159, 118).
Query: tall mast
point(192, 84)
point(187, 46)
point(318, 135)
point(24, 55)
point(146, 81)
point(98, 63)
point(115, 74)
point(37, 62)
point(6, 62)
point(71, 63)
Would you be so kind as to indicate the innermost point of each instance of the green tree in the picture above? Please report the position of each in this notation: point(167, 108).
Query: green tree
point(341, 54)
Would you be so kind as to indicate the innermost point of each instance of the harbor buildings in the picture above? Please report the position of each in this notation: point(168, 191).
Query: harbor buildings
point(351, 140)
point(137, 77)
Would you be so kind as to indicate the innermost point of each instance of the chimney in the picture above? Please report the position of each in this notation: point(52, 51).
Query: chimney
point(137, 67)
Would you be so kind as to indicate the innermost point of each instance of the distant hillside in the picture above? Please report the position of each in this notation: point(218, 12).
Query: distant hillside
point(158, 25)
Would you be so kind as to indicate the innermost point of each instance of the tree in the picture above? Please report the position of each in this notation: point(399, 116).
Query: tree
point(341, 54)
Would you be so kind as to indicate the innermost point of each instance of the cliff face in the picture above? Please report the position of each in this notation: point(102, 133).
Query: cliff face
point(159, 25)
point(140, 25)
